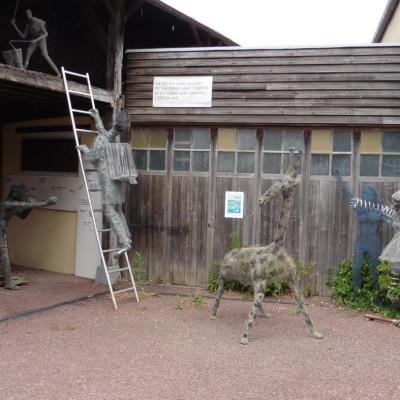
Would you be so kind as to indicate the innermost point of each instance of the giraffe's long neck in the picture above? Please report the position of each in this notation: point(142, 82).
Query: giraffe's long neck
point(283, 220)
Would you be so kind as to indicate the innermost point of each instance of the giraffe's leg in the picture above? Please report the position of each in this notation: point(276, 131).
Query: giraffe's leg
point(249, 323)
point(260, 309)
point(298, 295)
point(218, 296)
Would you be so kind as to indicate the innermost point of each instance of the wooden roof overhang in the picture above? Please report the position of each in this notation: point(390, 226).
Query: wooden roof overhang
point(26, 94)
point(333, 86)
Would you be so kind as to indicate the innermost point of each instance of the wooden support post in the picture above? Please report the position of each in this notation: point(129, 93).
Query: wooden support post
point(115, 52)
point(211, 200)
point(304, 202)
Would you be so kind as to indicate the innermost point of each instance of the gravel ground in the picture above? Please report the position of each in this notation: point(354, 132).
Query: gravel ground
point(152, 350)
point(44, 289)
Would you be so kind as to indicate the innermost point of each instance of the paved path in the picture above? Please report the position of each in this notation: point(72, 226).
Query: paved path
point(152, 350)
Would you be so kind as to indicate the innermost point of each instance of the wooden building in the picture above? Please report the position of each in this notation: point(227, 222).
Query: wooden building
point(84, 36)
point(340, 105)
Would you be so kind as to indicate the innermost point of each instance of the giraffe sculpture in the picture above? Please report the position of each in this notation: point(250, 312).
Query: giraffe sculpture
point(261, 266)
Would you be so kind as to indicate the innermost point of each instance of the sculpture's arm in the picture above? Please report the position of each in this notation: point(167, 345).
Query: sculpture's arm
point(20, 33)
point(386, 212)
point(88, 154)
point(27, 205)
point(349, 195)
point(94, 113)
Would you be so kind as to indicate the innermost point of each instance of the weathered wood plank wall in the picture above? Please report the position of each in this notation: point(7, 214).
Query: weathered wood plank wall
point(342, 86)
point(178, 218)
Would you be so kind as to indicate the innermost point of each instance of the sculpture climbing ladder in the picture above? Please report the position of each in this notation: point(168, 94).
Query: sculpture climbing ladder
point(108, 269)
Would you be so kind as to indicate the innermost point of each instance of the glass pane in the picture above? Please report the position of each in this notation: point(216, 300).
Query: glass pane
point(226, 139)
point(341, 163)
point(390, 165)
point(369, 165)
point(319, 164)
point(245, 163)
point(181, 160)
point(200, 161)
point(140, 158)
point(157, 160)
point(273, 139)
point(294, 139)
point(341, 140)
point(182, 138)
point(391, 142)
point(158, 138)
point(246, 139)
point(201, 138)
point(226, 161)
point(272, 163)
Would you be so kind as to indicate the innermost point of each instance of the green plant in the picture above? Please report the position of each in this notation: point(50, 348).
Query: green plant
point(213, 277)
point(139, 269)
point(364, 298)
point(198, 300)
point(235, 242)
point(178, 302)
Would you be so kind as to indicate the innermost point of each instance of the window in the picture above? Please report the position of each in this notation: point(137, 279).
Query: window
point(149, 147)
point(277, 143)
point(236, 150)
point(191, 149)
point(380, 153)
point(331, 152)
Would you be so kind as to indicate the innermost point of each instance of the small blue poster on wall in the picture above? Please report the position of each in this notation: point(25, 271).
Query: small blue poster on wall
point(234, 203)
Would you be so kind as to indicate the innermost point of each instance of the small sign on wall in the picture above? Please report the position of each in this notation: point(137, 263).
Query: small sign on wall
point(182, 91)
point(234, 204)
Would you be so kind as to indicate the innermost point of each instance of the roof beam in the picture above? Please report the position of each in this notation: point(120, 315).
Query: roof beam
point(133, 9)
point(48, 82)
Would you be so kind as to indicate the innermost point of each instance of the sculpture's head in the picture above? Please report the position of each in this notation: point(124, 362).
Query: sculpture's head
point(396, 200)
point(369, 194)
point(19, 193)
point(294, 160)
point(28, 14)
point(122, 122)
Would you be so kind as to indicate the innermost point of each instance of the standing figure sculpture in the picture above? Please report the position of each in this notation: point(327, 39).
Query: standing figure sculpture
point(368, 241)
point(112, 188)
point(19, 204)
point(260, 266)
point(390, 214)
point(36, 31)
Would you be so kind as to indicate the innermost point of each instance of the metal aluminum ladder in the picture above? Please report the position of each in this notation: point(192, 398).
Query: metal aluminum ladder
point(108, 269)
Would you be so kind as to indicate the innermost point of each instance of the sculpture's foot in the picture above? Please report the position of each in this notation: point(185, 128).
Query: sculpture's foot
point(244, 340)
point(125, 247)
point(11, 286)
point(213, 317)
point(317, 335)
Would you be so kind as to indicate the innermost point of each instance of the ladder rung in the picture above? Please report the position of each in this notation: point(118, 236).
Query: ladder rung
point(80, 111)
point(110, 271)
point(124, 290)
point(75, 74)
point(104, 230)
point(79, 93)
point(85, 130)
point(109, 250)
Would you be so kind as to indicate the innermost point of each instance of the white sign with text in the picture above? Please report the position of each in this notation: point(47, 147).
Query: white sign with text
point(182, 91)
